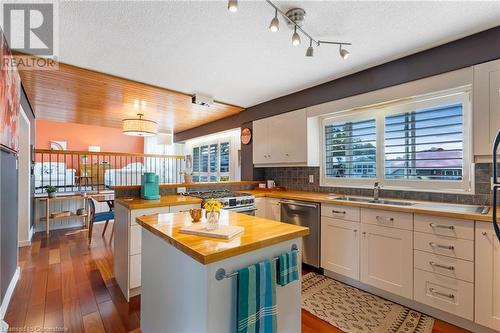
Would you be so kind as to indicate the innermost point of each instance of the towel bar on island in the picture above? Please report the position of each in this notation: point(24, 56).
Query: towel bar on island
point(220, 274)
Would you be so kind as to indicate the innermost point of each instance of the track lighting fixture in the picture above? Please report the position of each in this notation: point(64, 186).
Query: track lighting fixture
point(310, 50)
point(275, 23)
point(343, 52)
point(295, 18)
point(295, 37)
point(232, 6)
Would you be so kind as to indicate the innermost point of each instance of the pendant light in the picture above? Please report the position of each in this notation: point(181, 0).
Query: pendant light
point(310, 50)
point(232, 6)
point(139, 126)
point(343, 52)
point(295, 37)
point(275, 23)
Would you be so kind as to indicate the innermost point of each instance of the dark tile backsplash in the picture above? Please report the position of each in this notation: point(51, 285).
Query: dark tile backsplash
point(164, 191)
point(297, 178)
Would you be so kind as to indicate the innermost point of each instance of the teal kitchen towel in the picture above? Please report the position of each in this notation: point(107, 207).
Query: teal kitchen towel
point(288, 270)
point(257, 307)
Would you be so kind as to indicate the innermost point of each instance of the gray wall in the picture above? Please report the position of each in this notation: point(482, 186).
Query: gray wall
point(8, 218)
point(297, 178)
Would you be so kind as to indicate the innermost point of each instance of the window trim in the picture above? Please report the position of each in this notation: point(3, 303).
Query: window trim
point(378, 112)
point(208, 174)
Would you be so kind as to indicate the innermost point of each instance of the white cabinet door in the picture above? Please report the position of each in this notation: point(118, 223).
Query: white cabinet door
point(273, 209)
point(287, 138)
point(340, 246)
point(487, 276)
point(387, 259)
point(260, 141)
point(260, 204)
point(486, 106)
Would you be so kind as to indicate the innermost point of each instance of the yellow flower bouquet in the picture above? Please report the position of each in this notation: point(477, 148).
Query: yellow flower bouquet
point(213, 205)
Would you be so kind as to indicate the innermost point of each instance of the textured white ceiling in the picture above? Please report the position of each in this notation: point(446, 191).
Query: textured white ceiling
point(198, 46)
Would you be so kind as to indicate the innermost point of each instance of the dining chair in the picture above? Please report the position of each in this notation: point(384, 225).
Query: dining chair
point(98, 217)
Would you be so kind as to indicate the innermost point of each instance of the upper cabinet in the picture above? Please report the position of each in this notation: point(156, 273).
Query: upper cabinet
point(486, 106)
point(289, 139)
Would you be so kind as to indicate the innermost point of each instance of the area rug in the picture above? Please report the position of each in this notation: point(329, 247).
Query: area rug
point(355, 311)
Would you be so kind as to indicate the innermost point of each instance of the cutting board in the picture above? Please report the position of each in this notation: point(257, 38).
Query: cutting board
point(223, 232)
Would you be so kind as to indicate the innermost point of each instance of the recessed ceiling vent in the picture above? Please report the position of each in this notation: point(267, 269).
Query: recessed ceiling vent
point(202, 99)
point(297, 15)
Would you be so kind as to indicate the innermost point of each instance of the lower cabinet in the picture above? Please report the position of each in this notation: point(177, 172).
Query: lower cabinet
point(260, 204)
point(273, 209)
point(387, 259)
point(340, 246)
point(487, 276)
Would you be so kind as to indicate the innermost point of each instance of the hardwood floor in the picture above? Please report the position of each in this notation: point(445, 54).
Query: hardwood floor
point(65, 284)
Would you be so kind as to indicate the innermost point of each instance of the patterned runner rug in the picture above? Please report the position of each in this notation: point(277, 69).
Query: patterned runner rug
point(355, 311)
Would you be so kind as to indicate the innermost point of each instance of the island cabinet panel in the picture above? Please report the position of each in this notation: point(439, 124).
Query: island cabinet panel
point(387, 259)
point(340, 243)
point(128, 245)
point(487, 276)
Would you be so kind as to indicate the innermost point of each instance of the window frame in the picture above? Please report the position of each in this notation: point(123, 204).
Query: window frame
point(379, 112)
point(199, 174)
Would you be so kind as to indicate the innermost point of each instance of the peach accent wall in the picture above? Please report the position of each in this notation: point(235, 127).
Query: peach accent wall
point(80, 137)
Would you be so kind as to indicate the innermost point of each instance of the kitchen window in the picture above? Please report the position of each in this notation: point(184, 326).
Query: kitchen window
point(422, 143)
point(211, 162)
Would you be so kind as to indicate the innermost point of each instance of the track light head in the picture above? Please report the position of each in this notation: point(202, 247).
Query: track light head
point(275, 23)
point(310, 50)
point(295, 37)
point(232, 6)
point(344, 53)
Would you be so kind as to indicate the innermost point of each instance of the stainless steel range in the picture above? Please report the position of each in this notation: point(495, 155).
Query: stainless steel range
point(236, 202)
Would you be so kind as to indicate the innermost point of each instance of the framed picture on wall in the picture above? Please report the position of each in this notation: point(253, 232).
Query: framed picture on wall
point(10, 98)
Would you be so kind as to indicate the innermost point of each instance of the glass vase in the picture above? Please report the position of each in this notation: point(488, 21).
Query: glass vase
point(212, 220)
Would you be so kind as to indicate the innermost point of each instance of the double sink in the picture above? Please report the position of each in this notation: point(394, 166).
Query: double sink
point(464, 209)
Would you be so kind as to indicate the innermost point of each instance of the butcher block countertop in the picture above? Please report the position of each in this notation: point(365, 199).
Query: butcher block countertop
point(259, 233)
point(420, 207)
point(165, 200)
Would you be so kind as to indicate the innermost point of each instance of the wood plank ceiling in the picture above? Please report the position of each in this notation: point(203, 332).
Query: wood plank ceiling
point(78, 95)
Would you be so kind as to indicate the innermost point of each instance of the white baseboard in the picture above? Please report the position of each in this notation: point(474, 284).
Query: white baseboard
point(9, 292)
point(27, 242)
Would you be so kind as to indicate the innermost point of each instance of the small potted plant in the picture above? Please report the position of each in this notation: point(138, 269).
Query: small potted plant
point(212, 208)
point(188, 177)
point(51, 191)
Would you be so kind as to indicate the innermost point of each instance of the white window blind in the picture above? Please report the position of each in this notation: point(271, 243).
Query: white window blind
point(425, 144)
point(211, 162)
point(351, 149)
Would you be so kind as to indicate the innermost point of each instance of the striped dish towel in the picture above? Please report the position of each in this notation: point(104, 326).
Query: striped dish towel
point(257, 308)
point(287, 268)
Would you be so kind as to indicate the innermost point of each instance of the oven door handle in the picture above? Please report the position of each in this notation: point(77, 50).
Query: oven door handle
point(242, 209)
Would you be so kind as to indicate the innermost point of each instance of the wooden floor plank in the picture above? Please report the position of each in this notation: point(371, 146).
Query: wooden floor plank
point(92, 323)
point(110, 318)
point(73, 320)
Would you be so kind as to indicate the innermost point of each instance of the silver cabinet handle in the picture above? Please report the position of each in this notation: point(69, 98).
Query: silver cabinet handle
point(434, 291)
point(338, 211)
point(435, 264)
point(447, 247)
point(300, 204)
point(384, 219)
point(433, 225)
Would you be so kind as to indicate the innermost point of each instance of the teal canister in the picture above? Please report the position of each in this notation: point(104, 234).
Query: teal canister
point(150, 187)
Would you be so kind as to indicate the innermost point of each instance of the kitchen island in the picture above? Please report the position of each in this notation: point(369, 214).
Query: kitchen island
point(180, 291)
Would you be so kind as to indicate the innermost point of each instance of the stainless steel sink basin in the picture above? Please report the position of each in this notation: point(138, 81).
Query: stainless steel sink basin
point(380, 201)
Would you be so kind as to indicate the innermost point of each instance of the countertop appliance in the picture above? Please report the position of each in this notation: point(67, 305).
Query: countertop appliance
point(495, 185)
point(305, 214)
point(150, 190)
point(236, 202)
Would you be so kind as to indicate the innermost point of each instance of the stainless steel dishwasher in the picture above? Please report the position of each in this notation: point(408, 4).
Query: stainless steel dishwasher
point(305, 214)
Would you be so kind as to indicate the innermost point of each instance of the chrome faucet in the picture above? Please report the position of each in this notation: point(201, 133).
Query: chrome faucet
point(376, 190)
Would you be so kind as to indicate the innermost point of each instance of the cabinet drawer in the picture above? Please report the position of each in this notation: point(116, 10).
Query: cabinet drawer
point(447, 246)
point(444, 226)
point(387, 218)
point(452, 267)
point(147, 211)
point(340, 212)
point(135, 239)
point(135, 271)
point(444, 293)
